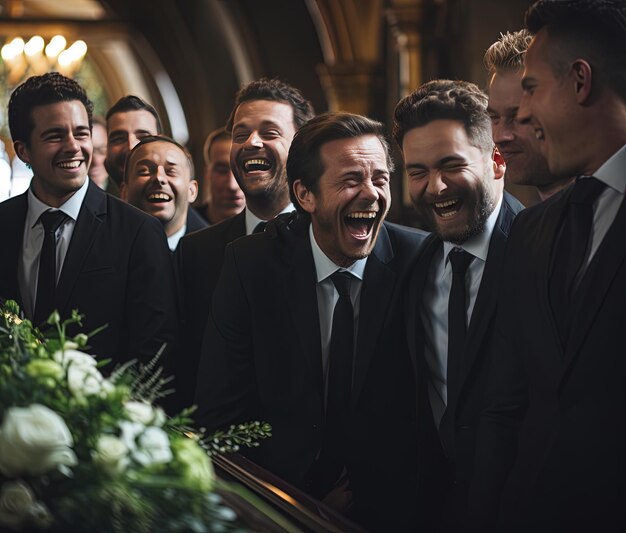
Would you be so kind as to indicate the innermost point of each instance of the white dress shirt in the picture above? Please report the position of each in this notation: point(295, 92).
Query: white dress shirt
point(252, 220)
point(172, 240)
point(434, 307)
point(28, 270)
point(327, 295)
point(613, 174)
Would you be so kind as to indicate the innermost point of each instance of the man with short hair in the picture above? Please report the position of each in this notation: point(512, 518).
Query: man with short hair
point(222, 196)
point(456, 184)
point(516, 141)
point(551, 445)
point(159, 180)
point(128, 121)
point(280, 348)
point(266, 115)
point(72, 246)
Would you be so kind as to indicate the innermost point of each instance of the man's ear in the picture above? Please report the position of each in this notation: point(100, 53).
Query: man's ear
point(582, 74)
point(22, 151)
point(499, 165)
point(305, 197)
point(123, 191)
point(193, 191)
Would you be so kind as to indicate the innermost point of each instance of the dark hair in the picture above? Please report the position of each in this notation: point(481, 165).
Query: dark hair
point(216, 135)
point(445, 100)
point(594, 30)
point(277, 91)
point(305, 163)
point(158, 138)
point(131, 102)
point(36, 91)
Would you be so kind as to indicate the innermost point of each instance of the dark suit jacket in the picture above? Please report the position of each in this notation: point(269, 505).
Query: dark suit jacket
point(468, 401)
point(261, 360)
point(194, 221)
point(561, 407)
point(117, 271)
point(198, 260)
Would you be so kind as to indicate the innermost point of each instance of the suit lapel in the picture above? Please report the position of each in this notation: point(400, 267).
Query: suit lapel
point(15, 218)
point(301, 295)
point(596, 283)
point(376, 293)
point(91, 216)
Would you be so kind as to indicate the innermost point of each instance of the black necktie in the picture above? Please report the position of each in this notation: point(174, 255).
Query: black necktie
point(47, 277)
point(260, 227)
point(572, 248)
point(457, 330)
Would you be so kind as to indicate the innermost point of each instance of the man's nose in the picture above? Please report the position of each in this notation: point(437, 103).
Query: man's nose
point(253, 141)
point(436, 184)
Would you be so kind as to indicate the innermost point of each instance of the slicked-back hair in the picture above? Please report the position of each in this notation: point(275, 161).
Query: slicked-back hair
point(593, 30)
point(274, 90)
point(445, 100)
point(305, 161)
point(219, 134)
point(507, 53)
point(158, 138)
point(130, 102)
point(49, 88)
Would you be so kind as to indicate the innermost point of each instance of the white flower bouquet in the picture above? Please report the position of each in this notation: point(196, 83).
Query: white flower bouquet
point(81, 452)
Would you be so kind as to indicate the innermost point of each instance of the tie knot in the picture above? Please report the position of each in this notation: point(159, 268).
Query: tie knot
point(52, 220)
point(260, 227)
point(586, 190)
point(342, 281)
point(460, 260)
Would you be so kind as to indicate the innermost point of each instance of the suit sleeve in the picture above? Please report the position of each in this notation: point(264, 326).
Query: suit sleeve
point(506, 402)
point(151, 306)
point(226, 379)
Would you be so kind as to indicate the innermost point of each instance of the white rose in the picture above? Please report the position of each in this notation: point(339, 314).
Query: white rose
point(34, 440)
point(74, 358)
point(16, 500)
point(130, 432)
point(153, 447)
point(84, 380)
point(111, 453)
point(145, 414)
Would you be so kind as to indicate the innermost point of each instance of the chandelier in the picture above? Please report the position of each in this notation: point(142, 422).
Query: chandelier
point(35, 57)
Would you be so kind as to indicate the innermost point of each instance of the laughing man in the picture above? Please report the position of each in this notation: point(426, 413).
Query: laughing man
point(276, 349)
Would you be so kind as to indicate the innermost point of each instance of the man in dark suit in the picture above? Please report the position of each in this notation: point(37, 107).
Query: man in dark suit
point(270, 351)
point(456, 184)
point(158, 179)
point(551, 445)
point(100, 256)
point(266, 115)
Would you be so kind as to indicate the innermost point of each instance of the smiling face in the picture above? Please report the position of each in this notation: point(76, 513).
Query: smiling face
point(125, 130)
point(525, 165)
point(261, 137)
point(227, 198)
point(548, 105)
point(59, 151)
point(351, 198)
point(454, 185)
point(159, 183)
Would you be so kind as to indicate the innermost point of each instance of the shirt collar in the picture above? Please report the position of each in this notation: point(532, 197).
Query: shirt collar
point(324, 267)
point(172, 240)
point(252, 220)
point(613, 171)
point(71, 207)
point(477, 245)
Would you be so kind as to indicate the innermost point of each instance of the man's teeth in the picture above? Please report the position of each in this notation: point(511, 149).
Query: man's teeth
point(69, 164)
point(447, 203)
point(362, 214)
point(256, 164)
point(539, 134)
point(159, 196)
point(443, 208)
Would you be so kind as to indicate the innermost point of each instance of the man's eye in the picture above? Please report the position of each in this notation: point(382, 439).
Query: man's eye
point(116, 140)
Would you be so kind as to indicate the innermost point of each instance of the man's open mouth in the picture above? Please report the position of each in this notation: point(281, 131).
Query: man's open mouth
point(447, 208)
point(360, 223)
point(259, 163)
point(539, 134)
point(159, 197)
point(69, 165)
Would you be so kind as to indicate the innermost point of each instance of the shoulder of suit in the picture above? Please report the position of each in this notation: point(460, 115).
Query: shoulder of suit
point(211, 234)
point(404, 235)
